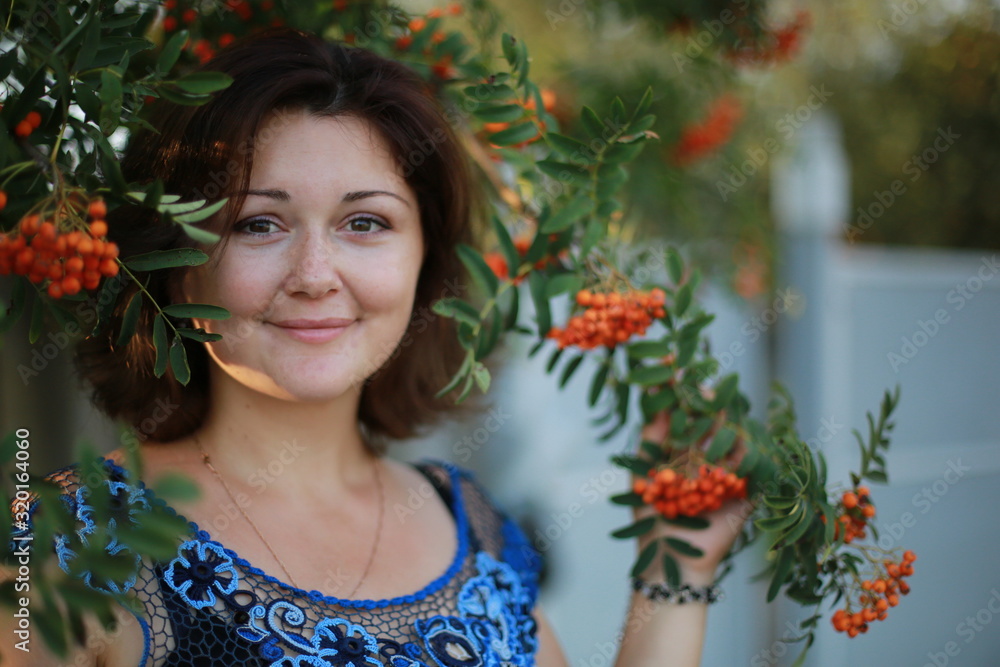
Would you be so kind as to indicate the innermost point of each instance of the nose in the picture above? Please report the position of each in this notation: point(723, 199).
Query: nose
point(314, 265)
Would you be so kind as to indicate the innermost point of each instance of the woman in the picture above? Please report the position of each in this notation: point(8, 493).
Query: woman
point(339, 235)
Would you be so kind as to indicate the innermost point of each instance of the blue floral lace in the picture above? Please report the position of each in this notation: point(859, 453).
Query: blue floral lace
point(208, 606)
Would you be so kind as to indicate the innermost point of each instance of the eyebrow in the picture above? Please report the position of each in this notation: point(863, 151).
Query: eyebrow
point(282, 195)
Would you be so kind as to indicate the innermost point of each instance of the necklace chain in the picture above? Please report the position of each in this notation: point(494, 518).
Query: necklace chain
point(378, 528)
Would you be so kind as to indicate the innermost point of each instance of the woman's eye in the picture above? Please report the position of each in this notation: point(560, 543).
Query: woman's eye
point(255, 226)
point(367, 225)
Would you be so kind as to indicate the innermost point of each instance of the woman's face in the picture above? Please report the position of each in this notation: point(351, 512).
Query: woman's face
point(321, 269)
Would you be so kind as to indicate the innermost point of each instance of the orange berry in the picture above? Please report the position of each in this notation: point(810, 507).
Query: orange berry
point(71, 285)
point(455, 8)
point(34, 119)
point(417, 24)
point(169, 24)
point(868, 511)
point(849, 499)
point(23, 129)
point(863, 491)
point(435, 13)
point(909, 556)
point(893, 600)
point(97, 210)
point(55, 290)
point(90, 263)
point(47, 231)
point(29, 225)
point(110, 250)
point(74, 265)
point(3, 199)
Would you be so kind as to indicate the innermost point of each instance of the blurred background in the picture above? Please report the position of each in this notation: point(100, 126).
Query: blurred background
point(838, 185)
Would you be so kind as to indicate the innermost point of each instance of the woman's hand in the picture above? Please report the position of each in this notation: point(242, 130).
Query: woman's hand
point(715, 541)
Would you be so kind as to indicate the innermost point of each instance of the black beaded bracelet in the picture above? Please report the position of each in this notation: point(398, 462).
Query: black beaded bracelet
point(680, 595)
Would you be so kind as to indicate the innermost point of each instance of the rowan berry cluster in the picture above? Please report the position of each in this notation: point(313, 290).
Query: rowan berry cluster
point(31, 122)
point(673, 493)
point(879, 594)
point(610, 318)
point(858, 508)
point(70, 259)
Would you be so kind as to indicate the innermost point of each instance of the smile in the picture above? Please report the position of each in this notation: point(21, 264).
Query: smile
point(313, 334)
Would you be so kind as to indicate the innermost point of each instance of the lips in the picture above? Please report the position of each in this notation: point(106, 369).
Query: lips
point(314, 331)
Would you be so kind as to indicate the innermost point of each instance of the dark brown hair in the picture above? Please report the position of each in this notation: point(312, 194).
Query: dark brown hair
point(207, 152)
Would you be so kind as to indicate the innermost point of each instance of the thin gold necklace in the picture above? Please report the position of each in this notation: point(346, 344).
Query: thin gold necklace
point(378, 528)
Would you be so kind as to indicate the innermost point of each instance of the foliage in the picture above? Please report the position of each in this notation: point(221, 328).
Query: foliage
point(558, 188)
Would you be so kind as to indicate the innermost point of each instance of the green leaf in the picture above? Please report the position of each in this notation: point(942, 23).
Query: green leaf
point(618, 111)
point(683, 547)
point(201, 214)
point(161, 344)
point(621, 152)
point(481, 374)
point(171, 52)
point(490, 92)
point(645, 102)
point(457, 309)
point(176, 486)
point(722, 443)
point(181, 98)
point(570, 147)
point(162, 259)
point(507, 246)
point(675, 265)
point(671, 572)
point(536, 283)
point(682, 299)
point(597, 384)
point(575, 209)
point(130, 319)
point(648, 348)
point(786, 558)
point(111, 101)
point(562, 283)
point(199, 310)
point(630, 498)
point(691, 522)
point(569, 369)
point(481, 272)
point(500, 113)
point(201, 83)
point(565, 172)
point(199, 335)
point(650, 375)
point(199, 235)
point(592, 123)
point(640, 527)
point(725, 390)
point(461, 374)
point(646, 557)
point(610, 179)
point(633, 464)
point(515, 134)
point(509, 45)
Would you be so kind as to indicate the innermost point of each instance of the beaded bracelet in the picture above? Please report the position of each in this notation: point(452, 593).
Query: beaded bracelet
point(680, 595)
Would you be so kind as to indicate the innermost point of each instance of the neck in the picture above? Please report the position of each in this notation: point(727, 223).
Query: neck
point(288, 448)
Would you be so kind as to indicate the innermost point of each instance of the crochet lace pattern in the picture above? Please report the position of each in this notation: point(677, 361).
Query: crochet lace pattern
point(209, 606)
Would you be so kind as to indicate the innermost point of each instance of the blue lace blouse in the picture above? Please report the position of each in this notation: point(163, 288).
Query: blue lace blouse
point(209, 606)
